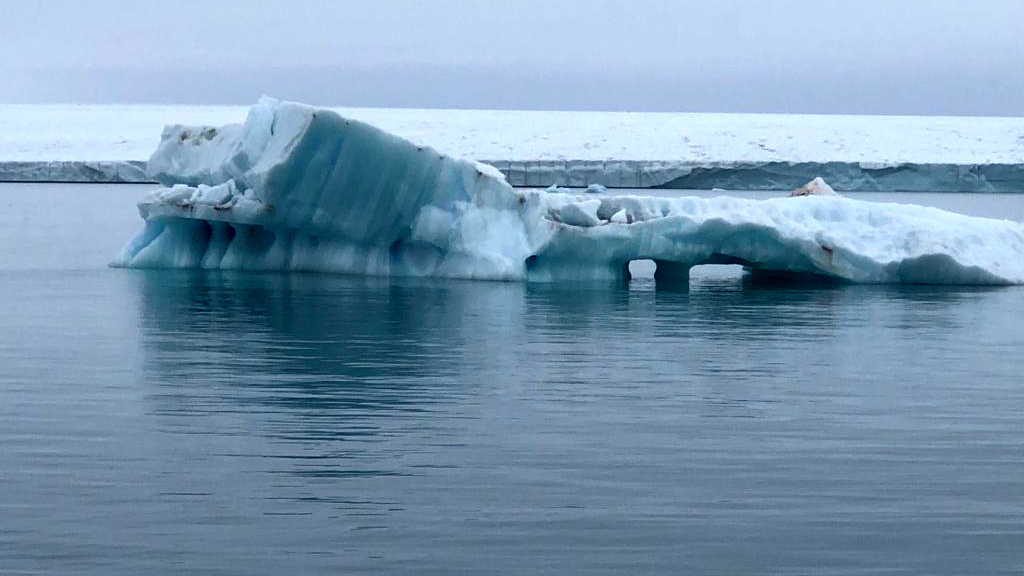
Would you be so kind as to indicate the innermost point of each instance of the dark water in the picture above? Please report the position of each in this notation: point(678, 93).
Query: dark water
point(171, 422)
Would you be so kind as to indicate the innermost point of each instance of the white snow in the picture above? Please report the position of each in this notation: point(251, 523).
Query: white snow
point(130, 132)
point(296, 188)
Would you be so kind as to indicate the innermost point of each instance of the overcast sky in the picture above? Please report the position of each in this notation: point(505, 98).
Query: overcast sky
point(952, 57)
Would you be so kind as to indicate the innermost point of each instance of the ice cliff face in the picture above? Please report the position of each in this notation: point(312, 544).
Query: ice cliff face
point(296, 188)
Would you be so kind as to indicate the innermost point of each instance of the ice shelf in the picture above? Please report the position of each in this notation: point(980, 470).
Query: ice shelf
point(539, 149)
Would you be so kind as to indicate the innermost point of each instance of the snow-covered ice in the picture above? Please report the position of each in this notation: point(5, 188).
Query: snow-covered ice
point(616, 149)
point(299, 188)
point(130, 132)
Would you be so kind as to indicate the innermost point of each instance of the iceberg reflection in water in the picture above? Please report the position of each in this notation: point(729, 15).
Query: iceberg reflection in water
point(269, 423)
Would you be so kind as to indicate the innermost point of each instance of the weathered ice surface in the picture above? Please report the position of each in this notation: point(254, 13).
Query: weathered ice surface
point(539, 149)
point(297, 188)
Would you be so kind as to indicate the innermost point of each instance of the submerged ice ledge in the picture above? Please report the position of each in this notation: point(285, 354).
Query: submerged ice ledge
point(297, 188)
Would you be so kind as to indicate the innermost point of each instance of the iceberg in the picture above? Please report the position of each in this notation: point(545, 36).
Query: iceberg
point(296, 188)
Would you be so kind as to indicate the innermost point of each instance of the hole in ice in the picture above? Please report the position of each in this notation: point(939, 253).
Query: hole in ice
point(642, 269)
point(395, 247)
point(716, 271)
point(531, 262)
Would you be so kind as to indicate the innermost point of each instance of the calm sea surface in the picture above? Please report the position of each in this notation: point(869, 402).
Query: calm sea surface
point(156, 422)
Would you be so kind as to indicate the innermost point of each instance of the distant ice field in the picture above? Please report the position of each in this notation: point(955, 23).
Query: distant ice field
point(620, 149)
point(131, 132)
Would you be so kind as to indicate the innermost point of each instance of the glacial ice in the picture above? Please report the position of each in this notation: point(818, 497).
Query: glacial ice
point(304, 189)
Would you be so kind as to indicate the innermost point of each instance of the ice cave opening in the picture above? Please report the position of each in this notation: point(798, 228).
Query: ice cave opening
point(641, 269)
point(671, 272)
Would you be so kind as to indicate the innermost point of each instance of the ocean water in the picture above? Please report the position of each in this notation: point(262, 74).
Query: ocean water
point(160, 422)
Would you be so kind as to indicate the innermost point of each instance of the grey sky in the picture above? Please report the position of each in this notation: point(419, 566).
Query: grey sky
point(865, 56)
